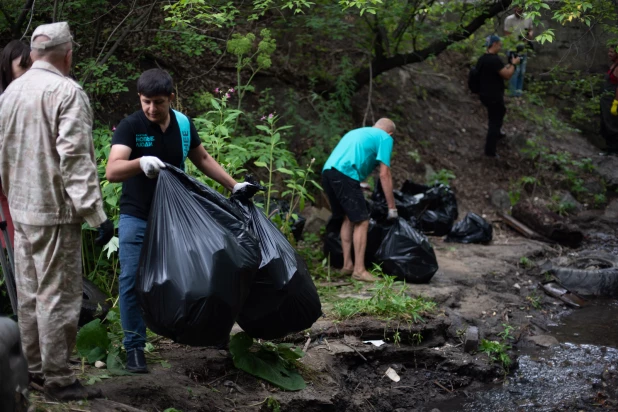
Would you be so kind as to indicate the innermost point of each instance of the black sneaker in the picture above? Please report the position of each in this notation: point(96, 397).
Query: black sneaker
point(74, 392)
point(136, 361)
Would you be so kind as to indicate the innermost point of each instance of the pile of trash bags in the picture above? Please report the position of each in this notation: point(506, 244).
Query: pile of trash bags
point(208, 261)
point(400, 246)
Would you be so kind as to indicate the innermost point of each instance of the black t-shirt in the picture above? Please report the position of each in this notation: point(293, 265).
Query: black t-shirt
point(138, 191)
point(492, 84)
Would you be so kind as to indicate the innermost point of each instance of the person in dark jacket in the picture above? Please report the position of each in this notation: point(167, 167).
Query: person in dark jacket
point(493, 73)
point(609, 105)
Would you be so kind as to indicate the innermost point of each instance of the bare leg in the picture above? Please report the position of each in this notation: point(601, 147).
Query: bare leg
point(346, 244)
point(360, 244)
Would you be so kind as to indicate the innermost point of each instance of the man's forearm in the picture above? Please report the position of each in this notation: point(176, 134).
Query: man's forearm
point(121, 170)
point(387, 186)
point(212, 169)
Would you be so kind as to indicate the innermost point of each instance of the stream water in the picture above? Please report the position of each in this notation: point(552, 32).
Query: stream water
point(561, 378)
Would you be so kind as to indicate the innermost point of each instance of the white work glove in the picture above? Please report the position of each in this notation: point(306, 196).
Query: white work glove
point(239, 186)
point(392, 214)
point(151, 166)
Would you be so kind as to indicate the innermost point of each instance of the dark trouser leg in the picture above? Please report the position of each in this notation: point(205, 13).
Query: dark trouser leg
point(495, 113)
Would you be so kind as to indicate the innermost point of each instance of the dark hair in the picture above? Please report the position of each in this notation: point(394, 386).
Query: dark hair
point(155, 82)
point(12, 51)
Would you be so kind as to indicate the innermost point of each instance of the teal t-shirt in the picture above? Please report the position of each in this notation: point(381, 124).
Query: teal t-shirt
point(359, 152)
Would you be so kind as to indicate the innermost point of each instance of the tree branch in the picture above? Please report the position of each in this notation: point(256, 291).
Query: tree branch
point(380, 66)
point(16, 27)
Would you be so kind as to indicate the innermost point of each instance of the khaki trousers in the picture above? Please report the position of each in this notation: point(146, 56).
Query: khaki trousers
point(49, 292)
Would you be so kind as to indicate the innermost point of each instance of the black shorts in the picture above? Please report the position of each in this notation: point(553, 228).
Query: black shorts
point(345, 196)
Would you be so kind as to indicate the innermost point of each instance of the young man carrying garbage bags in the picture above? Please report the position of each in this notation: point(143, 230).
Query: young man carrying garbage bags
point(353, 159)
point(142, 144)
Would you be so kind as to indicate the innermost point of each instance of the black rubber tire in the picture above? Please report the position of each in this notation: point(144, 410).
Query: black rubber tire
point(13, 368)
point(93, 298)
point(600, 281)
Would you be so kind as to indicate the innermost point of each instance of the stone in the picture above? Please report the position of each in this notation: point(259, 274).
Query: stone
point(471, 341)
point(516, 286)
point(99, 365)
point(545, 341)
point(593, 186)
point(316, 218)
point(567, 197)
point(500, 199)
point(611, 211)
point(607, 168)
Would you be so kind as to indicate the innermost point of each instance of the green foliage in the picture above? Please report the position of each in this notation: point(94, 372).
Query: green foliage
point(388, 302)
point(92, 341)
point(415, 155)
point(444, 176)
point(535, 300)
point(276, 364)
point(107, 79)
point(599, 200)
point(526, 263)
point(273, 404)
point(506, 333)
point(562, 207)
point(496, 351)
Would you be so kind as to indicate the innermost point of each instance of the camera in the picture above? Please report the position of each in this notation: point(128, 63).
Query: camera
point(514, 54)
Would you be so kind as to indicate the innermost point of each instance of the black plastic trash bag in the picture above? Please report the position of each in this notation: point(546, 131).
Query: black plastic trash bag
point(433, 209)
point(333, 248)
point(473, 229)
point(283, 298)
point(407, 254)
point(197, 263)
point(439, 211)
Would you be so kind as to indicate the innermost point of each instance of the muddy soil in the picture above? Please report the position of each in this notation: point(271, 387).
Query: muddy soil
point(483, 286)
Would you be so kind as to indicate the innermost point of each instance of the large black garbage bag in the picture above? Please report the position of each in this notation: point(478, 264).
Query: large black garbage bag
point(197, 263)
point(473, 229)
point(440, 211)
point(332, 242)
point(407, 254)
point(434, 209)
point(283, 298)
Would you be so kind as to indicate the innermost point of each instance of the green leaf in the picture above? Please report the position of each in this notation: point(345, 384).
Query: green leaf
point(166, 364)
point(114, 364)
point(260, 164)
point(263, 128)
point(97, 354)
point(265, 364)
point(91, 336)
point(284, 170)
point(215, 104)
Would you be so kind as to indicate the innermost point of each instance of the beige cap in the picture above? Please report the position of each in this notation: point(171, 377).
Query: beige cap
point(58, 33)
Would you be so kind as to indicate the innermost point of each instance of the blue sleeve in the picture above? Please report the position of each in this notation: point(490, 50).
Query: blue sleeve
point(385, 149)
point(195, 138)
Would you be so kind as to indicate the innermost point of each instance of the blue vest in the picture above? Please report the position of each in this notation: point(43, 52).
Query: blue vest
point(185, 134)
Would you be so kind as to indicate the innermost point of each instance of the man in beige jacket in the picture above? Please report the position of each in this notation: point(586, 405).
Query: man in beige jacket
point(49, 175)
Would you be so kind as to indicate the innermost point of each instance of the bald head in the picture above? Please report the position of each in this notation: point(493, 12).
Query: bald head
point(385, 124)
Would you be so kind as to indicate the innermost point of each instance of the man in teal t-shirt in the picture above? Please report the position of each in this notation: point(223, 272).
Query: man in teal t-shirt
point(354, 158)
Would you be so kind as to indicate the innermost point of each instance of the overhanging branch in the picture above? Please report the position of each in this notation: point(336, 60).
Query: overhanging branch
point(379, 66)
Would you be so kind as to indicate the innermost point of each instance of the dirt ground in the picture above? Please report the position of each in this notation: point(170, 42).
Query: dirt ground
point(474, 286)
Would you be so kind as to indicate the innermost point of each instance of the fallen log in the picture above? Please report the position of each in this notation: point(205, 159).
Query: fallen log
point(520, 227)
point(548, 224)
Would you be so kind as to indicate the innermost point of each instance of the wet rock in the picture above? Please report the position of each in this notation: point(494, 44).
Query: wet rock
point(500, 199)
point(545, 341)
point(471, 341)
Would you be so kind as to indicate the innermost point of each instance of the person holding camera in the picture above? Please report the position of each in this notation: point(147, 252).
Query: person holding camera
point(492, 74)
point(520, 27)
